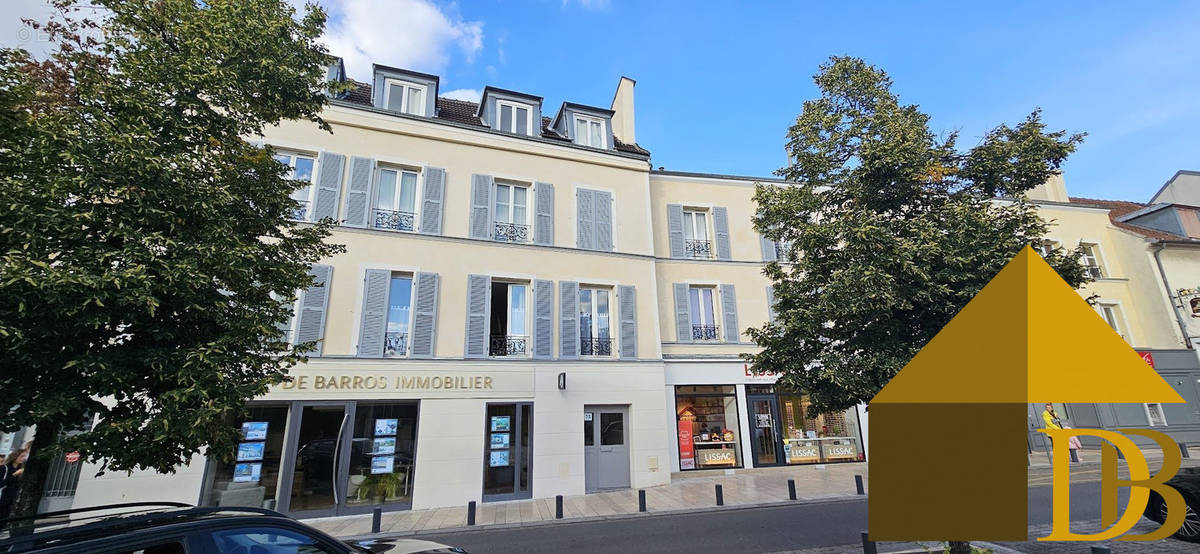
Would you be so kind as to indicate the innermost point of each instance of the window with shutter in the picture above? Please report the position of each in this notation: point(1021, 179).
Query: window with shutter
point(543, 319)
point(431, 205)
point(595, 321)
point(424, 319)
point(729, 310)
point(720, 217)
point(330, 169)
point(300, 168)
point(358, 191)
point(395, 199)
point(568, 320)
point(509, 319)
point(543, 197)
point(481, 207)
point(627, 300)
point(373, 326)
point(478, 299)
point(511, 212)
point(313, 305)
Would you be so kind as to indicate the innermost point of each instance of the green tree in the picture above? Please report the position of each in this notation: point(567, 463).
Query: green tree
point(145, 245)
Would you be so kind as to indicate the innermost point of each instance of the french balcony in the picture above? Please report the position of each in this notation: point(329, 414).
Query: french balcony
point(595, 347)
point(705, 332)
point(507, 345)
point(1094, 272)
point(395, 345)
point(300, 213)
point(394, 220)
point(512, 232)
point(701, 249)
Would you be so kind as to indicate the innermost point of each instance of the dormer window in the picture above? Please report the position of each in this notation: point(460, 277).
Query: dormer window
point(404, 97)
point(589, 131)
point(515, 117)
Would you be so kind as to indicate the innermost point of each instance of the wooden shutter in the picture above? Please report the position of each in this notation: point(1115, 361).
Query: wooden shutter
point(481, 207)
point(604, 221)
point(729, 309)
point(424, 320)
point(329, 186)
point(432, 201)
point(359, 193)
point(374, 313)
point(585, 219)
point(675, 231)
point(683, 315)
point(627, 303)
point(310, 323)
point(721, 230)
point(479, 295)
point(543, 319)
point(543, 222)
point(568, 322)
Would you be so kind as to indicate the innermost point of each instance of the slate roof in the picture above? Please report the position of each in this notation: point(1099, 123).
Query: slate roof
point(1118, 208)
point(464, 112)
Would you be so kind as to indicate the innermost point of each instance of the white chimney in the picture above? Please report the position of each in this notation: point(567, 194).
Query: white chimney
point(622, 105)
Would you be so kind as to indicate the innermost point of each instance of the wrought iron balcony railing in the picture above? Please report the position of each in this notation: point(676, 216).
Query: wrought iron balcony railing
point(300, 213)
point(395, 345)
point(705, 332)
point(394, 220)
point(512, 232)
point(697, 248)
point(595, 347)
point(1094, 272)
point(507, 345)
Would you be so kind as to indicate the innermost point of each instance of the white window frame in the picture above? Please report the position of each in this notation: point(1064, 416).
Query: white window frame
point(595, 314)
point(404, 107)
point(312, 182)
point(586, 141)
point(529, 204)
point(508, 315)
point(1047, 245)
point(515, 105)
point(1095, 253)
point(418, 185)
point(412, 300)
point(689, 223)
point(1118, 314)
point(1150, 418)
point(716, 308)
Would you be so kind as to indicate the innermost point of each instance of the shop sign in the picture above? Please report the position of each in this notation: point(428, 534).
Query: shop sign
point(765, 377)
point(72, 457)
point(841, 451)
point(382, 382)
point(802, 453)
point(715, 456)
point(1147, 357)
point(687, 458)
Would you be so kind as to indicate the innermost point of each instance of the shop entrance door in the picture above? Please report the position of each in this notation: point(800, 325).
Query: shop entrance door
point(506, 467)
point(765, 442)
point(605, 448)
point(315, 477)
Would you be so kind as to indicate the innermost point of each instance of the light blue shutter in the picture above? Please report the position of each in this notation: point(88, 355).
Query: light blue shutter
point(768, 249)
point(675, 231)
point(543, 223)
point(478, 300)
point(568, 323)
point(329, 186)
point(729, 307)
point(543, 319)
point(721, 230)
point(481, 207)
point(314, 304)
point(432, 201)
point(374, 313)
point(358, 191)
point(683, 315)
point(604, 221)
point(424, 323)
point(585, 219)
point(627, 303)
point(774, 315)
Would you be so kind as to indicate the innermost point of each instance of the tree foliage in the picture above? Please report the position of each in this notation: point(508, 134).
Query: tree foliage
point(144, 244)
point(892, 230)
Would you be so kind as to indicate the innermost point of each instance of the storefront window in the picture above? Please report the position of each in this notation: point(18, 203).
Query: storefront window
point(707, 424)
point(381, 455)
point(252, 476)
point(817, 438)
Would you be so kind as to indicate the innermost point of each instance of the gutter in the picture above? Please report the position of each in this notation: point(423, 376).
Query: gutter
point(1158, 248)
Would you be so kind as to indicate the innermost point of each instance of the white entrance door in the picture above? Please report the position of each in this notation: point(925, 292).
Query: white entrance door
point(606, 447)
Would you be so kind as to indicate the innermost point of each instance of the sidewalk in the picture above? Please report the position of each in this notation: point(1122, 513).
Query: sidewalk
point(687, 492)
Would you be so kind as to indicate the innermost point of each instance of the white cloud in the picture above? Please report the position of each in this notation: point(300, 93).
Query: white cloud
point(411, 34)
point(599, 5)
point(468, 94)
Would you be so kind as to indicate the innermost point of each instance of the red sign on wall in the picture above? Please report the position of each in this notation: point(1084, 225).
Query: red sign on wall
point(1147, 357)
point(72, 457)
point(687, 455)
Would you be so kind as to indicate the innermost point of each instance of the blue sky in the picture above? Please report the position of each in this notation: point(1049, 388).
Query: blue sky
point(718, 85)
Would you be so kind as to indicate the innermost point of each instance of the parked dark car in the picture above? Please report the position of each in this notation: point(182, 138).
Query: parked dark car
point(1187, 482)
point(172, 528)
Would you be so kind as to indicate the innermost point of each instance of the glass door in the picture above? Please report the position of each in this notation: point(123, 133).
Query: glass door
point(316, 475)
point(764, 430)
point(506, 467)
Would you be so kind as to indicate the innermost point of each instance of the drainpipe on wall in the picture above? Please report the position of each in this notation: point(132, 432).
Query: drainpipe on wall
point(1187, 340)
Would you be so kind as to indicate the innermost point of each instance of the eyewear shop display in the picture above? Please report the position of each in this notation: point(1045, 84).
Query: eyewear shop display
point(708, 427)
point(786, 431)
point(340, 458)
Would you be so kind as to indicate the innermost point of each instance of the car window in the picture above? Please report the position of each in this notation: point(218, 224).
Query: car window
point(267, 540)
point(167, 547)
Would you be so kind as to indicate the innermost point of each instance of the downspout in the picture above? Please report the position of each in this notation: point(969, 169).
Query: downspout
point(1187, 341)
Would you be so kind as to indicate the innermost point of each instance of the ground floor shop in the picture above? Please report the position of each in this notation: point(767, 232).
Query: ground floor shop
point(725, 417)
point(348, 435)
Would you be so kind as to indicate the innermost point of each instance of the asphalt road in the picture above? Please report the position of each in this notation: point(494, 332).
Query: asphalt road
point(758, 529)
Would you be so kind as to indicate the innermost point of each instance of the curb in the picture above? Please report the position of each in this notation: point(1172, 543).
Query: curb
point(613, 517)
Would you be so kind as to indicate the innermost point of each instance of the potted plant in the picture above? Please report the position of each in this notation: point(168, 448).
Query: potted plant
point(380, 486)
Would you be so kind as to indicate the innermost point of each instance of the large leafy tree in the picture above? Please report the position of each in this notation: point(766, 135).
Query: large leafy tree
point(892, 231)
point(144, 245)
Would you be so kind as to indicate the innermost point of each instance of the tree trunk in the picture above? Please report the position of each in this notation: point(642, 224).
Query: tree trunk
point(32, 482)
point(958, 547)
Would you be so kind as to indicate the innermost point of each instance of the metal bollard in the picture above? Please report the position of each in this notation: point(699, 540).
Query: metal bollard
point(791, 489)
point(868, 544)
point(558, 507)
point(1074, 456)
point(858, 485)
point(1183, 450)
point(641, 500)
point(1101, 550)
point(471, 513)
point(376, 519)
point(720, 496)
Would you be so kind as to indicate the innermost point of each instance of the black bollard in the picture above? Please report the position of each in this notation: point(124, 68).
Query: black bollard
point(720, 496)
point(858, 485)
point(558, 507)
point(1183, 450)
point(471, 513)
point(376, 519)
point(791, 489)
point(641, 500)
point(868, 544)
point(1074, 456)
